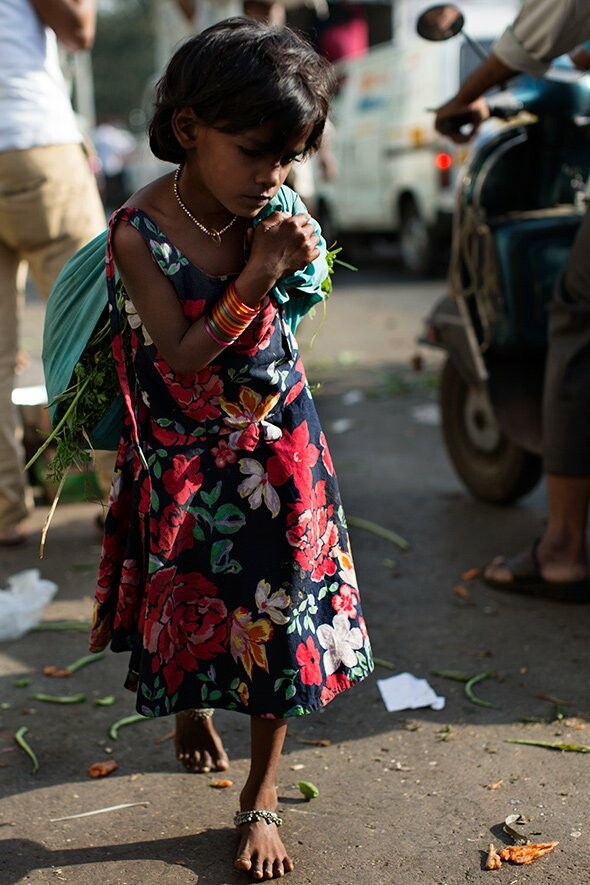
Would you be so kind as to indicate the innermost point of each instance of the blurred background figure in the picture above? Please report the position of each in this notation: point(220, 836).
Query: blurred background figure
point(114, 145)
point(345, 33)
point(49, 201)
point(273, 13)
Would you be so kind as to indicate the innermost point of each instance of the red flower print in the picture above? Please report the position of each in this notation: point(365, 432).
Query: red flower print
point(172, 531)
point(298, 386)
point(314, 534)
point(197, 394)
point(294, 456)
point(185, 623)
point(183, 479)
point(194, 308)
point(223, 454)
point(346, 601)
point(308, 658)
point(130, 595)
point(258, 334)
point(335, 683)
point(174, 436)
point(326, 457)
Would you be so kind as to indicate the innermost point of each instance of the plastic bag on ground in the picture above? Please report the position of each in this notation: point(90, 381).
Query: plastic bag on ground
point(22, 603)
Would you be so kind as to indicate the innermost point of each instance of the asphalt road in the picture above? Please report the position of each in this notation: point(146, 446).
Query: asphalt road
point(406, 798)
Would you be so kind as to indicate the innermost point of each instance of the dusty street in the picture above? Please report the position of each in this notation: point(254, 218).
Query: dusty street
point(407, 798)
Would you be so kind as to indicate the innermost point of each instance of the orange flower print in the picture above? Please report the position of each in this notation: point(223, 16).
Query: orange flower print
point(247, 639)
point(246, 416)
point(244, 693)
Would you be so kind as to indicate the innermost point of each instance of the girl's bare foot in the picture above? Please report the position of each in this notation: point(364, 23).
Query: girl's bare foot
point(261, 851)
point(197, 744)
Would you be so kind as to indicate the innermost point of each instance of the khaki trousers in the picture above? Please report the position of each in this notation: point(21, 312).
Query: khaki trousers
point(566, 425)
point(49, 208)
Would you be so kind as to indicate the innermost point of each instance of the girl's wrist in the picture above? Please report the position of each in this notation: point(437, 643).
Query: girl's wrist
point(251, 288)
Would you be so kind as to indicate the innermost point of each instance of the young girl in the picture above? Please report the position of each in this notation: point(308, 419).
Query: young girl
point(226, 568)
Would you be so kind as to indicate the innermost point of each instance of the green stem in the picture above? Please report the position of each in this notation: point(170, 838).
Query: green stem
point(379, 530)
point(58, 427)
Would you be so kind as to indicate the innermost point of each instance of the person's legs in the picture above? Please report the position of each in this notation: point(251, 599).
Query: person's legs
point(14, 496)
point(561, 554)
point(261, 851)
point(197, 743)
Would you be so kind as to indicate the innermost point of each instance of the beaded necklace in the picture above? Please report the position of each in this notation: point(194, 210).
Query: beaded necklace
point(211, 232)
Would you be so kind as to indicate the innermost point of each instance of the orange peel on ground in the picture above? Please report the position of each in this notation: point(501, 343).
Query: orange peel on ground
point(493, 860)
point(102, 769)
point(221, 785)
point(524, 854)
point(59, 672)
point(470, 574)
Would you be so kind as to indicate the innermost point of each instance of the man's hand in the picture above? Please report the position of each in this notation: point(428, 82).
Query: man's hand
point(455, 114)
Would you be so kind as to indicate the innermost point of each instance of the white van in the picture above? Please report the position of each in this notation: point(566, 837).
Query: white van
point(395, 174)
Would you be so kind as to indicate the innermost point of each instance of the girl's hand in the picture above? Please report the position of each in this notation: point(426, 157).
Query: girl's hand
point(280, 245)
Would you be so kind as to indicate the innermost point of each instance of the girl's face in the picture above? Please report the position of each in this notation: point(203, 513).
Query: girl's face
point(241, 171)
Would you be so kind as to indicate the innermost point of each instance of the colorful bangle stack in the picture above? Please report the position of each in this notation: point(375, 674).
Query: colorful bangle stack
point(229, 317)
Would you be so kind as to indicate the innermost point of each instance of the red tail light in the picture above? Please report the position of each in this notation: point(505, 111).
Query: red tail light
point(443, 163)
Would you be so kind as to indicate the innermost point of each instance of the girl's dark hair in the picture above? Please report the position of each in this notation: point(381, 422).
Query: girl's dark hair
point(238, 75)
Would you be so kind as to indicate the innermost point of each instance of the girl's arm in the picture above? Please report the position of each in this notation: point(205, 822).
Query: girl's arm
point(280, 245)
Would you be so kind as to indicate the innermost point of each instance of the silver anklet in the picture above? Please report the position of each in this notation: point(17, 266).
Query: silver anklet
point(250, 817)
point(203, 713)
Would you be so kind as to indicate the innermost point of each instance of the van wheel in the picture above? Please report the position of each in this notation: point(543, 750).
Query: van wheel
point(416, 240)
point(494, 469)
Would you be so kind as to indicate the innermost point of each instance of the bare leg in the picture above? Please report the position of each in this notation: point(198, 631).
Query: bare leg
point(198, 745)
point(561, 552)
point(261, 851)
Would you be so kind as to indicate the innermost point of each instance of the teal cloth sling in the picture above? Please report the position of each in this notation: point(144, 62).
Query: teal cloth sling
point(78, 301)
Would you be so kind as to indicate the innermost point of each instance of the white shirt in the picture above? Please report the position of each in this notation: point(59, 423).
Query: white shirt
point(543, 30)
point(35, 109)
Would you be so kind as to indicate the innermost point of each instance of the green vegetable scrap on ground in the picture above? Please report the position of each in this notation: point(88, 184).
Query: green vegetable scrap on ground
point(84, 661)
point(24, 745)
point(470, 682)
point(126, 720)
point(309, 790)
point(59, 699)
point(549, 745)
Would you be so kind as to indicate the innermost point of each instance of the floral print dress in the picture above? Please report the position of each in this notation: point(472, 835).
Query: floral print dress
point(226, 569)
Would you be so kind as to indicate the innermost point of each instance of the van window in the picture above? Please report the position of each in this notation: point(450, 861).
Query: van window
point(469, 58)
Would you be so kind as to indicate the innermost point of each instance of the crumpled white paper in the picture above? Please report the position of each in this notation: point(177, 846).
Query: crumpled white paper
point(22, 603)
point(407, 692)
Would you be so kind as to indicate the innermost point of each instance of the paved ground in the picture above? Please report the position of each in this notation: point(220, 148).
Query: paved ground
point(408, 798)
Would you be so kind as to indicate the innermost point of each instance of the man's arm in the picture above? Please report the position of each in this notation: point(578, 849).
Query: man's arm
point(74, 21)
point(542, 30)
point(468, 103)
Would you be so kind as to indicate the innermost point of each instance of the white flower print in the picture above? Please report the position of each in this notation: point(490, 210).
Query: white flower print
point(257, 487)
point(339, 640)
point(161, 249)
point(270, 603)
point(271, 431)
point(134, 320)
